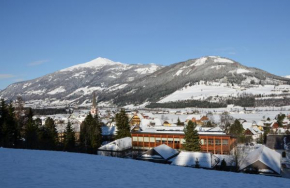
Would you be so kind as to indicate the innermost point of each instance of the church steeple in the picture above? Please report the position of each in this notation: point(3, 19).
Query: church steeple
point(94, 100)
point(94, 109)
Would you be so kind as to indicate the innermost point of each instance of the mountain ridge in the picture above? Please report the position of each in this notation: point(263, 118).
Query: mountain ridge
point(124, 84)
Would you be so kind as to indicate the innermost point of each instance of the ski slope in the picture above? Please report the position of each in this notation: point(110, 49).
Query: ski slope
point(34, 169)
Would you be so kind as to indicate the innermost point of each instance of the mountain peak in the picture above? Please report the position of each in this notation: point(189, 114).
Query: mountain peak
point(95, 63)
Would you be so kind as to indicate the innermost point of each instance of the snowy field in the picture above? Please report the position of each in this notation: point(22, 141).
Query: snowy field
point(31, 168)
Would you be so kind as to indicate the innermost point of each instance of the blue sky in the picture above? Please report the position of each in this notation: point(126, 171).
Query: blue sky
point(40, 37)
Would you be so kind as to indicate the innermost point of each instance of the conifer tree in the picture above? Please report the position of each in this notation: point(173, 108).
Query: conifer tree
point(52, 135)
point(191, 137)
point(11, 133)
point(179, 122)
point(3, 116)
point(91, 134)
point(69, 138)
point(122, 123)
point(31, 131)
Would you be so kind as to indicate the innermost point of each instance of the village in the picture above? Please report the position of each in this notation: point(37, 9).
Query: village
point(157, 135)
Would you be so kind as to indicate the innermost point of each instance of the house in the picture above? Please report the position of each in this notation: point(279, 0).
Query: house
point(117, 148)
point(262, 160)
point(135, 119)
point(167, 123)
point(160, 154)
point(192, 159)
point(197, 118)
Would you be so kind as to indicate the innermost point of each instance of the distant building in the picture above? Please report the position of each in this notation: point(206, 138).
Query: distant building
point(214, 142)
point(94, 109)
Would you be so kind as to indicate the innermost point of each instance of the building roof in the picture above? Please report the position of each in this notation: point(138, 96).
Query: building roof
point(265, 155)
point(118, 145)
point(165, 151)
point(186, 158)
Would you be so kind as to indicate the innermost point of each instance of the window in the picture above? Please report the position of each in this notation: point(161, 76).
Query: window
point(182, 141)
point(225, 142)
point(210, 142)
point(217, 142)
point(202, 141)
point(146, 139)
point(140, 139)
point(135, 139)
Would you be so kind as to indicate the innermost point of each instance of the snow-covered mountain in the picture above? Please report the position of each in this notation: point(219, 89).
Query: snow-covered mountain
point(213, 70)
point(287, 76)
point(76, 84)
point(125, 84)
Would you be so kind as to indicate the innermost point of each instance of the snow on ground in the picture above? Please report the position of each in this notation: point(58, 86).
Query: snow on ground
point(240, 71)
point(217, 67)
point(202, 91)
point(198, 92)
point(57, 90)
point(32, 168)
point(85, 90)
point(200, 61)
point(147, 70)
point(35, 92)
point(26, 85)
point(222, 60)
point(116, 87)
point(178, 73)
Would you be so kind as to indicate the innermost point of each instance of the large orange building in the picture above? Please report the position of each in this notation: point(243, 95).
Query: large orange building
point(216, 143)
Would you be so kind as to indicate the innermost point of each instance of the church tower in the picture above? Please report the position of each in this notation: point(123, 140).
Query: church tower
point(94, 109)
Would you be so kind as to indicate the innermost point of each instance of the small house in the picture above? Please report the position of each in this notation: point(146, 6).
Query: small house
point(262, 160)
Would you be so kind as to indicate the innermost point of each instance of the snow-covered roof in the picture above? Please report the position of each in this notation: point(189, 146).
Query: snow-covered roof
point(165, 151)
point(252, 130)
point(247, 125)
point(269, 157)
point(118, 145)
point(215, 129)
point(186, 158)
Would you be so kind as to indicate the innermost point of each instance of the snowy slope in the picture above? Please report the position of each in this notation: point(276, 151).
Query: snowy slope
point(202, 91)
point(33, 169)
point(287, 76)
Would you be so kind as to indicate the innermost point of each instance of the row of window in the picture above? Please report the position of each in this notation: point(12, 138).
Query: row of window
point(211, 142)
point(177, 140)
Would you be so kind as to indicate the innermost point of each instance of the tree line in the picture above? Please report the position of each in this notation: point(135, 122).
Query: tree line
point(20, 129)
